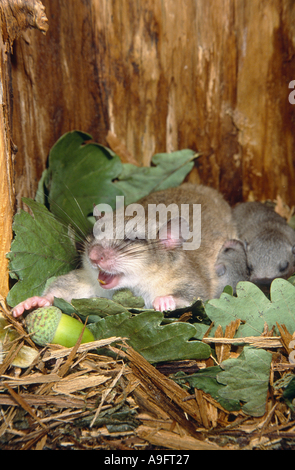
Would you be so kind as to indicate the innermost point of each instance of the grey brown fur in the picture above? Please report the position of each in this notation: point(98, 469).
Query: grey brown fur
point(166, 277)
point(269, 241)
point(231, 265)
point(152, 271)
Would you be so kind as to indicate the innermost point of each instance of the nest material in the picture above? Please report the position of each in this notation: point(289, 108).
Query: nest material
point(76, 398)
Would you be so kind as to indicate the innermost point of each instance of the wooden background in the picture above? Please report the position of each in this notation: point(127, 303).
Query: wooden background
point(162, 75)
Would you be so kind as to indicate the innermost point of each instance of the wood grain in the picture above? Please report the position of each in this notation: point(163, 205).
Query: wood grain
point(15, 17)
point(161, 76)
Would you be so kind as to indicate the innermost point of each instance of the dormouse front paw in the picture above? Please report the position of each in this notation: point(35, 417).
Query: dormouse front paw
point(32, 302)
point(162, 304)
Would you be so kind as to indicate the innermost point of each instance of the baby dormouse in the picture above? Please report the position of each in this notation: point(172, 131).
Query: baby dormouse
point(268, 239)
point(160, 270)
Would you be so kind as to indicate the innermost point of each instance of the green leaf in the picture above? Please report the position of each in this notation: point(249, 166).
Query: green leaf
point(100, 307)
point(82, 174)
point(247, 379)
point(79, 176)
point(64, 306)
point(238, 382)
point(155, 342)
point(93, 309)
point(228, 290)
point(289, 394)
point(41, 249)
point(126, 298)
point(254, 308)
point(206, 380)
point(169, 170)
point(292, 280)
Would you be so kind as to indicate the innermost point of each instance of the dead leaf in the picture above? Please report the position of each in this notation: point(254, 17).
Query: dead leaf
point(286, 338)
point(283, 210)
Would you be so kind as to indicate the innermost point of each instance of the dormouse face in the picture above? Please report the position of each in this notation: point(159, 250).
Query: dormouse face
point(270, 260)
point(131, 259)
point(231, 266)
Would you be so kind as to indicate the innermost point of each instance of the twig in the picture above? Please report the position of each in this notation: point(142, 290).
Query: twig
point(257, 341)
point(63, 352)
point(106, 393)
point(24, 405)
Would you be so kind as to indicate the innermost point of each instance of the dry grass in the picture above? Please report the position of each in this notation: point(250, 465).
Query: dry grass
point(78, 399)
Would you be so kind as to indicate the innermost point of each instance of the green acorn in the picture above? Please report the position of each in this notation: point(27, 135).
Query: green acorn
point(50, 325)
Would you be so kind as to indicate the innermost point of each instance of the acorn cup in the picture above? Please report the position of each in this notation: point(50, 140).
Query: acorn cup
point(49, 325)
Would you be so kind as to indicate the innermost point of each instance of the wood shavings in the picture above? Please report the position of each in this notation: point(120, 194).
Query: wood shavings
point(75, 398)
point(257, 341)
point(106, 393)
point(70, 386)
point(173, 441)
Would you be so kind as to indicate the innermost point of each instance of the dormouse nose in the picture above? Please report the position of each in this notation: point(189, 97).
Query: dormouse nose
point(103, 257)
point(96, 254)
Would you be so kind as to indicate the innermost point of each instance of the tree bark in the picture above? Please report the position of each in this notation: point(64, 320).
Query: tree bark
point(15, 17)
point(158, 76)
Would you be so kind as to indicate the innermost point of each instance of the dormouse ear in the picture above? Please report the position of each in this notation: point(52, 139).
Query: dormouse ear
point(174, 233)
point(233, 244)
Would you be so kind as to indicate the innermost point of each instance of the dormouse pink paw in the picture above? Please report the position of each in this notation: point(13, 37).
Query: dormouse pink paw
point(32, 302)
point(162, 304)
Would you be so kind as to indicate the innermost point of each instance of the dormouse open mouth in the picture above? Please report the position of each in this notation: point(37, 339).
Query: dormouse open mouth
point(107, 280)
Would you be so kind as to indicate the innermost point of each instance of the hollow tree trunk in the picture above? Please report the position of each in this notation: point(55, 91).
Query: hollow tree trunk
point(15, 17)
point(162, 75)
